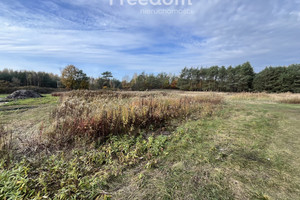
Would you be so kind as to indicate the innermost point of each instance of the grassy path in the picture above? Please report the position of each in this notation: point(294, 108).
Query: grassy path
point(250, 150)
point(25, 118)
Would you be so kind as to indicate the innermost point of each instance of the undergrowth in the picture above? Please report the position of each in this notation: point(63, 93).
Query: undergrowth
point(104, 135)
point(5, 143)
point(98, 115)
point(81, 174)
point(157, 145)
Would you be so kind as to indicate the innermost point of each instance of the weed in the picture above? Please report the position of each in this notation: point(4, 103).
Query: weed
point(101, 114)
point(6, 143)
point(81, 174)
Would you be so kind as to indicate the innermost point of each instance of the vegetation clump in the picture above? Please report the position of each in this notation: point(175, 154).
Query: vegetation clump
point(98, 115)
point(132, 125)
point(78, 174)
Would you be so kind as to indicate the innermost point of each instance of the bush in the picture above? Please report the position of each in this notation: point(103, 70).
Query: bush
point(97, 115)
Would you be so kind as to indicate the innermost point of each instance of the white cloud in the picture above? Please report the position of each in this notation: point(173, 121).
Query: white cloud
point(96, 35)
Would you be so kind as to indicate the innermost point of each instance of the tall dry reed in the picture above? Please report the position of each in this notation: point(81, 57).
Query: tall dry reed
point(100, 114)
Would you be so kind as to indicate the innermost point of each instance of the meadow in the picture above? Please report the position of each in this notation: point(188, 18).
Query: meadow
point(151, 145)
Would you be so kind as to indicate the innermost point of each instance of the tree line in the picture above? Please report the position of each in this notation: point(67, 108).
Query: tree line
point(11, 78)
point(241, 78)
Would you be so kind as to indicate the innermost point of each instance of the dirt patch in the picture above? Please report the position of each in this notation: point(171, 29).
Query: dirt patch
point(24, 94)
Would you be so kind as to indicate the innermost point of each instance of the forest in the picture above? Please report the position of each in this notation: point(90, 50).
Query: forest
point(241, 78)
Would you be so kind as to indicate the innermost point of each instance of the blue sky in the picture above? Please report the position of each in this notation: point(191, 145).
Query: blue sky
point(47, 35)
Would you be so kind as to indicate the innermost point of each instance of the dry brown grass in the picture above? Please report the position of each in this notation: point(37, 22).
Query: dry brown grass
point(98, 114)
point(249, 96)
point(295, 100)
point(5, 141)
point(288, 98)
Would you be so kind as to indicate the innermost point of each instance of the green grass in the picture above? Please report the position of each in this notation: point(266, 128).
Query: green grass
point(24, 117)
point(46, 99)
point(246, 150)
point(81, 174)
point(3, 96)
point(22, 105)
point(27, 109)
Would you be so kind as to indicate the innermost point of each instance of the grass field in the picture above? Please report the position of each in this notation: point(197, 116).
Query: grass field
point(245, 146)
point(3, 95)
point(249, 150)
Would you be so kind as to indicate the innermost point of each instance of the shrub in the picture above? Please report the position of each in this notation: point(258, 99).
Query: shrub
point(100, 114)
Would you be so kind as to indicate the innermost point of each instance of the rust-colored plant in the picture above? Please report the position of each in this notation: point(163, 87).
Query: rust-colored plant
point(100, 114)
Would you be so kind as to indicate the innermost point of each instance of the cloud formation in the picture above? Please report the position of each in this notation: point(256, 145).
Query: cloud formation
point(47, 35)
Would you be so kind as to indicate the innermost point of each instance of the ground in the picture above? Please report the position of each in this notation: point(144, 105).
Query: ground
point(25, 117)
point(248, 149)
